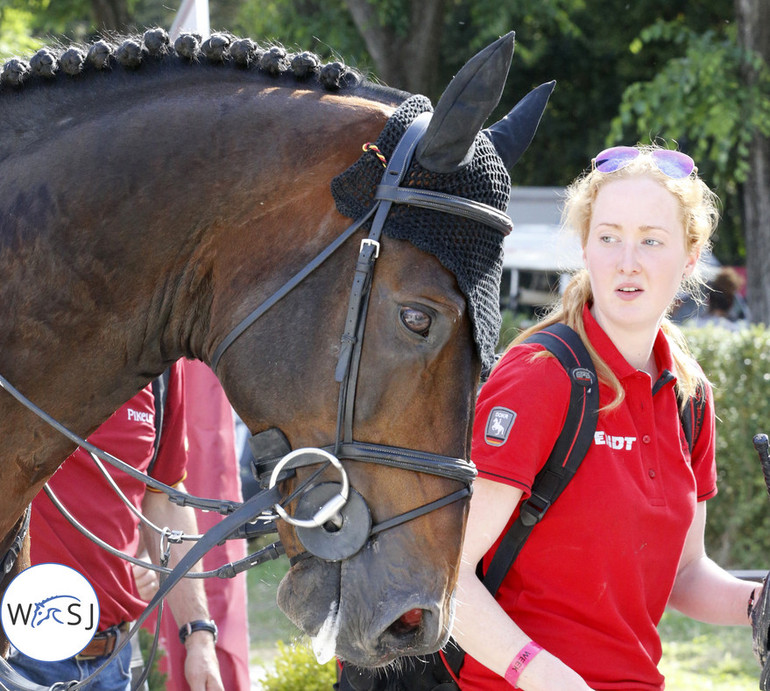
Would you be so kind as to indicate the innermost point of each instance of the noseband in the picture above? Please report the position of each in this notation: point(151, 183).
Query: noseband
point(332, 520)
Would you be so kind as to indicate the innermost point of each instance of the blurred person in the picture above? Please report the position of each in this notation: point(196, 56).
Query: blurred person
point(130, 434)
point(213, 472)
point(721, 299)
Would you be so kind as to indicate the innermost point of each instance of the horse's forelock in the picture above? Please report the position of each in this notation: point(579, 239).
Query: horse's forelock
point(131, 52)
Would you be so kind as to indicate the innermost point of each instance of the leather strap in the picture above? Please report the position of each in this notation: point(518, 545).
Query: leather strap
point(292, 283)
point(568, 452)
point(448, 204)
point(10, 680)
point(198, 625)
point(10, 557)
point(103, 643)
point(393, 456)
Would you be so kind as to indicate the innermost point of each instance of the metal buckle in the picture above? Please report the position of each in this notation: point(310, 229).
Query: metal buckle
point(373, 243)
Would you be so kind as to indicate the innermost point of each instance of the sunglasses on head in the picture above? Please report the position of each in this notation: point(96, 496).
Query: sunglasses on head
point(674, 164)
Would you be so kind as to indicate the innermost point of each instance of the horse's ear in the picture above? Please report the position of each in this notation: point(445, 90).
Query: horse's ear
point(513, 134)
point(464, 107)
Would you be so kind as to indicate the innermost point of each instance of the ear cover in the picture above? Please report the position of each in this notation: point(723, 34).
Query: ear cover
point(514, 133)
point(465, 105)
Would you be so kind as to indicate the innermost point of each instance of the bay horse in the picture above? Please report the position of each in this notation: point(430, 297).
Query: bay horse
point(151, 196)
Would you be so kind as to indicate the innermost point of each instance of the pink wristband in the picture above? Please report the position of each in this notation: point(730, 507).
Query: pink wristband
point(524, 657)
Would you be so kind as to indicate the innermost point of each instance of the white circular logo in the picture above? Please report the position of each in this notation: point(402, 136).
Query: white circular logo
point(50, 612)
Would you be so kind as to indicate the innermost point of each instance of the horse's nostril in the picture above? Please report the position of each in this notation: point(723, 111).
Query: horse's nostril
point(407, 622)
point(412, 618)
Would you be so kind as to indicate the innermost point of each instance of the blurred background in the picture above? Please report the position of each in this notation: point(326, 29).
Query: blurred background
point(692, 75)
point(688, 75)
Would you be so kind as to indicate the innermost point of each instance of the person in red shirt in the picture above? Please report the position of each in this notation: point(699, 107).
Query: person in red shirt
point(129, 435)
point(213, 473)
point(579, 608)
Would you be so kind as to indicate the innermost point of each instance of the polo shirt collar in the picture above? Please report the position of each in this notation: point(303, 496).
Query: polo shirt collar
point(611, 355)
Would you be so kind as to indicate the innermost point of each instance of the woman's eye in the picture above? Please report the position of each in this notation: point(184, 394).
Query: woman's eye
point(415, 320)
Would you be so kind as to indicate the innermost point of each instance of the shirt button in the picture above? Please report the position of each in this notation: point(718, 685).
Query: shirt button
point(646, 439)
point(652, 472)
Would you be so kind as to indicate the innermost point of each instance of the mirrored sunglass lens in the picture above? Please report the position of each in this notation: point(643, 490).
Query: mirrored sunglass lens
point(614, 159)
point(675, 164)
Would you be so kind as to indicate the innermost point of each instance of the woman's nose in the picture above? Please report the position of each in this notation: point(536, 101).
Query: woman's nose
point(628, 261)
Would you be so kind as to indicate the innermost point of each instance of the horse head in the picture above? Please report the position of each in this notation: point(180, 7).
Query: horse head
point(146, 208)
point(375, 580)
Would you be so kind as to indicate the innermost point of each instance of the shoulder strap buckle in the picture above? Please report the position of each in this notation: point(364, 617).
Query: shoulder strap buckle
point(533, 509)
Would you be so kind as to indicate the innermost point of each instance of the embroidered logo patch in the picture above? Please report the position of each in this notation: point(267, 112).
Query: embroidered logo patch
point(499, 425)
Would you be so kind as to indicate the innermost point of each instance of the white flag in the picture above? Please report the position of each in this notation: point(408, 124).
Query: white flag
point(192, 17)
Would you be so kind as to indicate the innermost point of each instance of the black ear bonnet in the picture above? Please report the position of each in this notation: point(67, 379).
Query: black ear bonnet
point(470, 250)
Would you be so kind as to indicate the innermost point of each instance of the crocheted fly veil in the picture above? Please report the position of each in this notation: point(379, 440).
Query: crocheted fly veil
point(471, 250)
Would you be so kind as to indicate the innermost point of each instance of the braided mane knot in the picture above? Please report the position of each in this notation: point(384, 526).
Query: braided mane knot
point(14, 72)
point(44, 63)
point(71, 61)
point(220, 48)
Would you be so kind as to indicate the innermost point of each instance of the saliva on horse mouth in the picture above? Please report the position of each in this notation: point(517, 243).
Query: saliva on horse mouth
point(325, 641)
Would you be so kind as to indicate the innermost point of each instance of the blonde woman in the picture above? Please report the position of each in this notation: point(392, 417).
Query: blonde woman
point(580, 607)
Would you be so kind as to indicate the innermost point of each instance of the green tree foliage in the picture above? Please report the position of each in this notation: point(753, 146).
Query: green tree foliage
point(27, 24)
point(738, 365)
point(15, 36)
point(591, 47)
point(323, 26)
point(586, 47)
point(701, 101)
point(47, 21)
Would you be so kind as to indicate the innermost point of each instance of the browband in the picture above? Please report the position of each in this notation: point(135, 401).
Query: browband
point(448, 204)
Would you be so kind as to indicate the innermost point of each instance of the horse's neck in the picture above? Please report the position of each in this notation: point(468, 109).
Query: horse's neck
point(143, 234)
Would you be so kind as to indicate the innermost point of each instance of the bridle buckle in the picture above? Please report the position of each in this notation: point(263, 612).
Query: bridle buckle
point(373, 243)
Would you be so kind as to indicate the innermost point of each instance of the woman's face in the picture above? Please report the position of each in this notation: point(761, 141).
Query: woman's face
point(635, 254)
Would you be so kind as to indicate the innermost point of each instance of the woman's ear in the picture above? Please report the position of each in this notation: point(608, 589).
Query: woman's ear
point(692, 262)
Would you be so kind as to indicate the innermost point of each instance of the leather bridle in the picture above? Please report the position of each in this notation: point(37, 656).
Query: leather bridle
point(347, 505)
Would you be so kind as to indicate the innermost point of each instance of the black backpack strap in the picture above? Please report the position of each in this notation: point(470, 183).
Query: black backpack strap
point(160, 394)
point(693, 414)
point(568, 452)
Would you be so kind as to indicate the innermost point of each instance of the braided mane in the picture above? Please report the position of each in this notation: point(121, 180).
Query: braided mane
point(221, 48)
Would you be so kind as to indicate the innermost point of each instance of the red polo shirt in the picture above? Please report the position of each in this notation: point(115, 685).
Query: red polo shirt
point(593, 579)
point(80, 486)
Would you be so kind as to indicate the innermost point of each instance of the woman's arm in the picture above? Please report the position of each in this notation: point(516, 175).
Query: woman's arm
point(481, 626)
point(704, 591)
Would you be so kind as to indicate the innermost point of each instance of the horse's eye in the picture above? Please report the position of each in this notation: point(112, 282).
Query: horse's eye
point(416, 321)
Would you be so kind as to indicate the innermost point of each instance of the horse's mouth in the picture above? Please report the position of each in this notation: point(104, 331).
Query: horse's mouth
point(359, 627)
